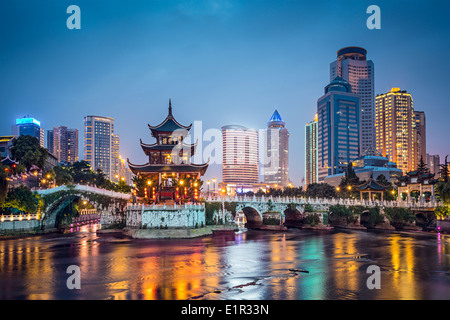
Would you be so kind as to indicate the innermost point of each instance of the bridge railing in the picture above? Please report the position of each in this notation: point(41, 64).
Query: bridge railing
point(83, 188)
point(326, 201)
point(139, 207)
point(18, 217)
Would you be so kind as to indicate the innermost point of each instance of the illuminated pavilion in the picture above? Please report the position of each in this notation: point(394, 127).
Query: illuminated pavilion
point(169, 168)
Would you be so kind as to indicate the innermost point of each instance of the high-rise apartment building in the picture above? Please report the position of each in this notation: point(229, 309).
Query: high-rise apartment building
point(63, 144)
point(101, 145)
point(352, 65)
point(421, 136)
point(240, 164)
point(338, 128)
point(395, 127)
point(433, 162)
point(276, 163)
point(29, 126)
point(311, 152)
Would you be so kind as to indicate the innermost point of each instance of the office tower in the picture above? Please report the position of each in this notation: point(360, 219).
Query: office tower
point(63, 144)
point(115, 170)
point(101, 145)
point(50, 141)
point(276, 162)
point(395, 127)
point(311, 152)
point(433, 162)
point(240, 155)
point(352, 65)
point(421, 137)
point(29, 126)
point(338, 128)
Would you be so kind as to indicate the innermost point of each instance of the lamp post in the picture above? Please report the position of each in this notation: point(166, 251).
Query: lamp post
point(214, 189)
point(35, 172)
point(208, 188)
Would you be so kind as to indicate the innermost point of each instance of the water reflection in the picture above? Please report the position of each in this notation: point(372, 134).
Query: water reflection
point(251, 265)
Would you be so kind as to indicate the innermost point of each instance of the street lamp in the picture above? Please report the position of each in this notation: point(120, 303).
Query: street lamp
point(214, 189)
point(208, 187)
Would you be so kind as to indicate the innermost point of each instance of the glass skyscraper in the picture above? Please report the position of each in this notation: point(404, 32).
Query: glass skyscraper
point(338, 128)
point(352, 65)
point(276, 165)
point(29, 126)
point(311, 152)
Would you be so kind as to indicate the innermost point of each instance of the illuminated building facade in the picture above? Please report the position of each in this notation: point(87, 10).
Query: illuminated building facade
point(395, 127)
point(352, 65)
point(63, 144)
point(100, 145)
point(29, 126)
point(276, 167)
point(240, 155)
point(338, 128)
point(311, 174)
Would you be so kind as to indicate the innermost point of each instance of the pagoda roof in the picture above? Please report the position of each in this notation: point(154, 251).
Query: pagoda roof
point(8, 161)
point(371, 185)
point(166, 147)
point(169, 124)
point(161, 168)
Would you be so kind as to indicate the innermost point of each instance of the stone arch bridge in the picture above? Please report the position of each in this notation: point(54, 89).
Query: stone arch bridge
point(109, 206)
point(286, 209)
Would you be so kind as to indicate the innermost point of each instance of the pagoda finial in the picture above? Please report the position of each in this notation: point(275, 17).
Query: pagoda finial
point(170, 107)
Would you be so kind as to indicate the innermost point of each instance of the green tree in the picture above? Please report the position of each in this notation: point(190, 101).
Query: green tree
point(422, 167)
point(442, 190)
point(4, 173)
point(62, 175)
point(320, 190)
point(27, 150)
point(444, 170)
point(22, 199)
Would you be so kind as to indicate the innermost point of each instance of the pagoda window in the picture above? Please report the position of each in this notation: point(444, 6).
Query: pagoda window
point(154, 158)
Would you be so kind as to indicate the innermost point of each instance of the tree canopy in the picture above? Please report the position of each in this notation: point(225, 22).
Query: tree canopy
point(27, 150)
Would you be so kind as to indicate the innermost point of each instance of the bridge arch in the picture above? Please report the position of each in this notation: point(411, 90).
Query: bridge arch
point(252, 213)
point(52, 216)
point(293, 216)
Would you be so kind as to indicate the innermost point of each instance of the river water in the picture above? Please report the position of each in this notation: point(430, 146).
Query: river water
point(254, 265)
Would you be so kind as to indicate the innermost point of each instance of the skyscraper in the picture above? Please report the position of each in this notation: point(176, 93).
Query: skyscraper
point(338, 128)
point(29, 126)
point(276, 165)
point(240, 155)
point(433, 162)
point(421, 136)
point(352, 65)
point(395, 127)
point(63, 144)
point(311, 152)
point(100, 145)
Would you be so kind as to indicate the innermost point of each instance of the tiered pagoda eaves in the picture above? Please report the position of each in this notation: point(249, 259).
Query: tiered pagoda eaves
point(169, 156)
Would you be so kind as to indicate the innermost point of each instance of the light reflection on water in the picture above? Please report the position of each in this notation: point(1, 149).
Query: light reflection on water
point(252, 265)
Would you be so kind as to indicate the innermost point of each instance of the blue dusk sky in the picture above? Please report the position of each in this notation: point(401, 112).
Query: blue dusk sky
point(221, 62)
